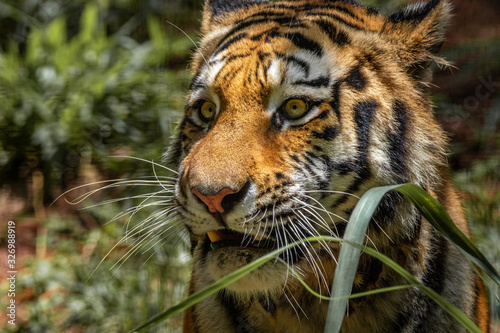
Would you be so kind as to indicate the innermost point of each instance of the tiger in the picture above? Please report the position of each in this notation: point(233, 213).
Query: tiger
point(294, 111)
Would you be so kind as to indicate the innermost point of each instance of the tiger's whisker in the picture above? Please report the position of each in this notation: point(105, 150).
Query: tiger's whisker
point(144, 160)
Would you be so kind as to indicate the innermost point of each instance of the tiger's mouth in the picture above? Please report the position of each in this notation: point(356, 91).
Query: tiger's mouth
point(228, 238)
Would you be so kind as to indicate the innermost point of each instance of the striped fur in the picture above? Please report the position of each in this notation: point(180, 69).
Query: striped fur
point(363, 77)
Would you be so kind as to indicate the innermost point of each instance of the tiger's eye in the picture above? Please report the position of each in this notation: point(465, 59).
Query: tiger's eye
point(295, 108)
point(207, 111)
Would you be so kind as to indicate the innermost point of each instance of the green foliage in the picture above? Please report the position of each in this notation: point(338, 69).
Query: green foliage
point(481, 183)
point(92, 91)
point(114, 300)
point(78, 81)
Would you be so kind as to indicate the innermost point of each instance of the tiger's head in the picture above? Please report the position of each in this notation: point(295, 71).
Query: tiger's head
point(295, 109)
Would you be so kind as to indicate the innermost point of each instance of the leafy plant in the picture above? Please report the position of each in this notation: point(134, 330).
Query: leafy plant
point(91, 92)
point(55, 294)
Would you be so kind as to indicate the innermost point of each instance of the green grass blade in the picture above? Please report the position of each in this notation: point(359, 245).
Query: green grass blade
point(349, 255)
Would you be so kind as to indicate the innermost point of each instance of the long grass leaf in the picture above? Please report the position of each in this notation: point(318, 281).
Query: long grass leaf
point(349, 255)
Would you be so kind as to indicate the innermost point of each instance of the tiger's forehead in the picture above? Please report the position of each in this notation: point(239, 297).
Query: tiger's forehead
point(282, 46)
point(270, 64)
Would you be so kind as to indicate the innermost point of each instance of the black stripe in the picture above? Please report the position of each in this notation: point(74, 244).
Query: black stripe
point(336, 18)
point(356, 79)
point(190, 122)
point(320, 161)
point(242, 25)
point(272, 16)
point(345, 168)
point(340, 201)
point(329, 133)
point(363, 115)
point(348, 211)
point(263, 55)
point(348, 12)
point(386, 210)
point(205, 249)
point(295, 158)
point(398, 149)
point(322, 81)
point(229, 43)
point(340, 228)
point(195, 84)
point(436, 266)
point(327, 160)
point(275, 16)
point(309, 160)
point(363, 175)
point(246, 23)
point(230, 75)
point(312, 155)
point(327, 6)
point(267, 304)
point(323, 115)
point(267, 13)
point(434, 277)
point(415, 13)
point(272, 33)
point(336, 36)
point(303, 165)
point(234, 311)
point(303, 42)
point(279, 175)
point(299, 62)
point(335, 103)
point(229, 58)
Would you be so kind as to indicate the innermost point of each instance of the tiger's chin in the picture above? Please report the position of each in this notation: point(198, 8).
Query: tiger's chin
point(229, 253)
point(269, 278)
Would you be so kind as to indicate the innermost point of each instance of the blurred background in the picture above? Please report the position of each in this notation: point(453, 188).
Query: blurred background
point(81, 81)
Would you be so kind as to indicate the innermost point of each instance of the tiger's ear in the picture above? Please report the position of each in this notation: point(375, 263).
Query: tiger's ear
point(417, 33)
point(216, 8)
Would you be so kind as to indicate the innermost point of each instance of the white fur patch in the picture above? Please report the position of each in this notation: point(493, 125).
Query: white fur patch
point(274, 72)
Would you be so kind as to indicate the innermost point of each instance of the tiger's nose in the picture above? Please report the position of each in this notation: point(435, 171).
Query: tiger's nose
point(224, 200)
point(213, 202)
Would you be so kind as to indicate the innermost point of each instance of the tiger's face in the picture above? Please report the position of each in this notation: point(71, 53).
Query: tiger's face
point(295, 110)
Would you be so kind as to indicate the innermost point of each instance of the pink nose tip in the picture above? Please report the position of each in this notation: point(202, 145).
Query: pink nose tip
point(213, 202)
